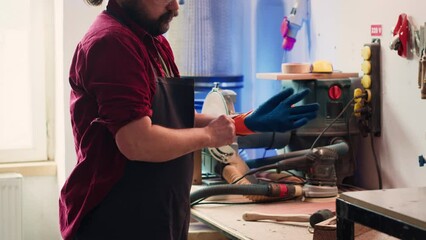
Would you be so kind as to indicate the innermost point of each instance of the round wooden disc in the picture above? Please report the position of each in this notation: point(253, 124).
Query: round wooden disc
point(295, 68)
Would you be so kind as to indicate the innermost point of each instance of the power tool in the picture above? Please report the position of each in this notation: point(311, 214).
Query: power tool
point(318, 164)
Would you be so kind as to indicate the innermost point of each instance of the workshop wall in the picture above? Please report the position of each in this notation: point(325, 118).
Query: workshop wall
point(336, 31)
point(339, 29)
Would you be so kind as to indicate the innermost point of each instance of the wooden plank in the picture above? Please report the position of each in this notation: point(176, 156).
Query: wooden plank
point(42, 168)
point(305, 76)
point(200, 231)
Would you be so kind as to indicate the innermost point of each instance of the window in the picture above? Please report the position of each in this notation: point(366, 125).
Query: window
point(26, 68)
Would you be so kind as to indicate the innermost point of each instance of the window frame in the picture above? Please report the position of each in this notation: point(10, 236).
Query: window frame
point(41, 67)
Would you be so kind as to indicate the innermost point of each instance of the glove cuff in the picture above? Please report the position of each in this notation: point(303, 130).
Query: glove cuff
point(240, 127)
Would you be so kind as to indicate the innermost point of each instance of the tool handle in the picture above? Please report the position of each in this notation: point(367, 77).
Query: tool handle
point(254, 216)
point(420, 74)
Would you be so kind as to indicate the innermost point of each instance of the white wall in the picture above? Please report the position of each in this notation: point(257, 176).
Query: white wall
point(339, 30)
point(40, 208)
point(41, 193)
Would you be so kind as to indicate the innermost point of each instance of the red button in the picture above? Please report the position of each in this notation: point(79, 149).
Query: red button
point(334, 92)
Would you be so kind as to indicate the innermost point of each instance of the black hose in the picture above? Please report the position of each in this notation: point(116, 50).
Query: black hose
point(340, 147)
point(274, 190)
point(227, 189)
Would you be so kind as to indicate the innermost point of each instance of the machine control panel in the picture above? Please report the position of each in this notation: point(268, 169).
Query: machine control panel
point(367, 107)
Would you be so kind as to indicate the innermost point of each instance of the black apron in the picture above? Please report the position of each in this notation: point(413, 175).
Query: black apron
point(151, 200)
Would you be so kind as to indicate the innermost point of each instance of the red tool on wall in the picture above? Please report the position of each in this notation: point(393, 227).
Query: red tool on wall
point(401, 33)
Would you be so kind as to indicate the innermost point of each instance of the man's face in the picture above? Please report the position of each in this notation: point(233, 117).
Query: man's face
point(152, 15)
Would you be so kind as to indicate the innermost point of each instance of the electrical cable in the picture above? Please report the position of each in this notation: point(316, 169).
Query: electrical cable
point(270, 145)
point(335, 119)
point(252, 171)
point(264, 153)
point(350, 142)
point(349, 187)
point(378, 168)
point(272, 141)
point(376, 160)
point(197, 202)
point(302, 181)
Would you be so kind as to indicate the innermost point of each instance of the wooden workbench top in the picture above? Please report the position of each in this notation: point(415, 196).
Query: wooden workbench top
point(306, 76)
point(227, 218)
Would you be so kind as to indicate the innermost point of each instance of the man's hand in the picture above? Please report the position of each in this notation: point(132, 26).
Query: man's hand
point(221, 131)
point(279, 115)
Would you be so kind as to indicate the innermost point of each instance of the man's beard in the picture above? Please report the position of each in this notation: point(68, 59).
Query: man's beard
point(154, 27)
point(159, 26)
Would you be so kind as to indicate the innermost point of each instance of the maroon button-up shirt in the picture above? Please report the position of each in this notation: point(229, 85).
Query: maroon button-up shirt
point(112, 80)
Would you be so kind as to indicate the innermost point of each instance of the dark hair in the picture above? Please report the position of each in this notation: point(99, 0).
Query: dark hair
point(94, 2)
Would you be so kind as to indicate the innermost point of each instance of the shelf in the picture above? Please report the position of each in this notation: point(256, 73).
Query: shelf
point(305, 76)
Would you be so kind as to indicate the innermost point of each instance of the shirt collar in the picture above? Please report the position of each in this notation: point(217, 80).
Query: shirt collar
point(121, 16)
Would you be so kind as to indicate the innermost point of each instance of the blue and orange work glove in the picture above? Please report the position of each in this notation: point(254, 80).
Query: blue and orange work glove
point(277, 114)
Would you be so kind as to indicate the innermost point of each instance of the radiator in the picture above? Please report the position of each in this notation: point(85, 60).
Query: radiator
point(10, 206)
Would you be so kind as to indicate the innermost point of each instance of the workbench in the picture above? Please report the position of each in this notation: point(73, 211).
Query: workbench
point(398, 212)
point(227, 218)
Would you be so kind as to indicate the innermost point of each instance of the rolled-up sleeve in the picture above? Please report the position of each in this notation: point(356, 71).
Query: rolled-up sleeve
point(119, 76)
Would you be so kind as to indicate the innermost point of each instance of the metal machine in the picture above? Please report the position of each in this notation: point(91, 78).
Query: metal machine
point(315, 171)
point(320, 178)
point(335, 121)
